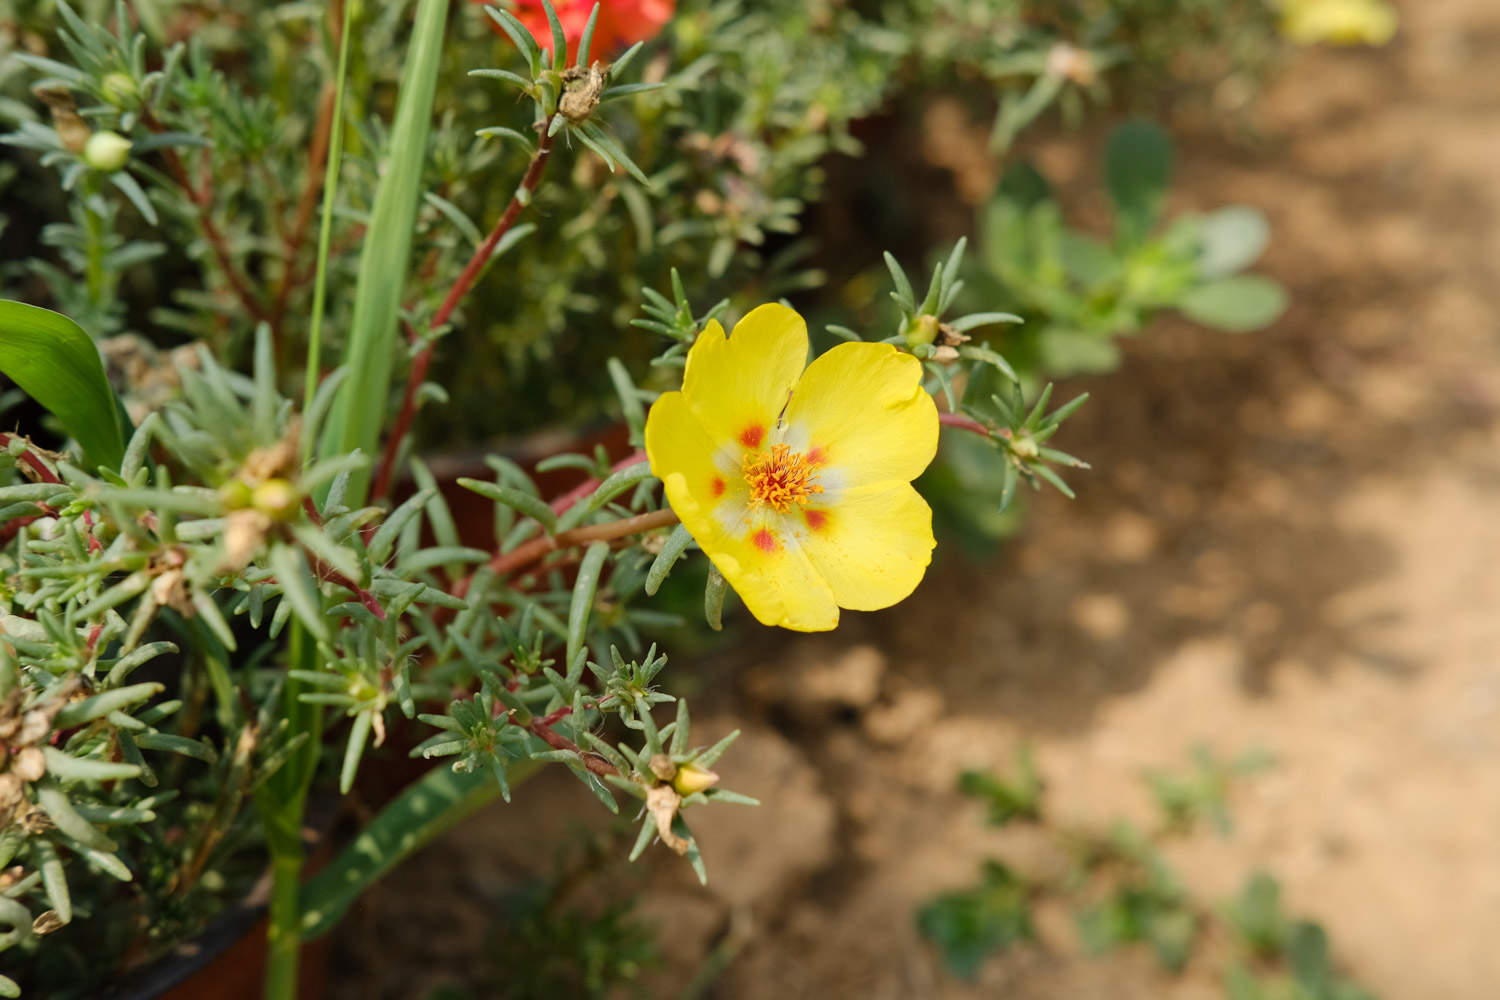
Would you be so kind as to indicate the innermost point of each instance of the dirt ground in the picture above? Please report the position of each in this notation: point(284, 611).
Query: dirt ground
point(1289, 543)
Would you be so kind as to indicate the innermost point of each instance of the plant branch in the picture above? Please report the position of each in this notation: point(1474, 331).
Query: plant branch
point(964, 423)
point(593, 762)
point(509, 562)
point(202, 199)
point(316, 156)
point(461, 287)
point(588, 486)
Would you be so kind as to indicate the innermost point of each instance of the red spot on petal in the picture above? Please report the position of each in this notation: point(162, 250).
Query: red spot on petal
point(816, 519)
point(717, 487)
point(752, 436)
point(765, 541)
point(817, 456)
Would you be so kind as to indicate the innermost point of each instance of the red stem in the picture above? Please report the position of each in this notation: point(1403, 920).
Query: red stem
point(556, 741)
point(588, 486)
point(461, 287)
point(327, 572)
point(963, 423)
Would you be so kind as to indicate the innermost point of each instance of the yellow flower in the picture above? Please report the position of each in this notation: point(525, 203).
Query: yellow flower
point(797, 484)
point(1341, 22)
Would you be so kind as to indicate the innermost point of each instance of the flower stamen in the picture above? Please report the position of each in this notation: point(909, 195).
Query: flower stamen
point(779, 478)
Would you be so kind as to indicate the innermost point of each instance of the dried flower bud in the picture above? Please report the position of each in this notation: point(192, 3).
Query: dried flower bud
point(244, 531)
point(106, 151)
point(582, 90)
point(662, 802)
point(1072, 63)
point(662, 766)
point(691, 778)
point(944, 354)
point(29, 764)
point(47, 923)
point(72, 131)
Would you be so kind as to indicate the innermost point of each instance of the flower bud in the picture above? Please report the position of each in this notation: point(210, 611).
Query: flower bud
point(276, 498)
point(119, 89)
point(1025, 447)
point(922, 330)
point(236, 494)
point(106, 151)
point(691, 778)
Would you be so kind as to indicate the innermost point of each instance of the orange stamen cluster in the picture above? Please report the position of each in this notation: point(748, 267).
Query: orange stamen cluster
point(779, 478)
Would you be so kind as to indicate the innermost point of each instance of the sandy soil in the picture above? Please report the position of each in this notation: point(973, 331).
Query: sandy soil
point(1289, 543)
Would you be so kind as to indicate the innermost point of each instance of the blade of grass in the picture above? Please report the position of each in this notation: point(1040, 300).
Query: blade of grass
point(325, 225)
point(356, 419)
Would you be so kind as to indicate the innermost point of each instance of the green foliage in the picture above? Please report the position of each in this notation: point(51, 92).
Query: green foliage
point(1005, 800)
point(970, 925)
point(1184, 800)
point(1288, 959)
point(1078, 293)
point(1124, 892)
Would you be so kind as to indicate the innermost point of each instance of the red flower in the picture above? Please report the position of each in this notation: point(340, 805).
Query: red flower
point(621, 22)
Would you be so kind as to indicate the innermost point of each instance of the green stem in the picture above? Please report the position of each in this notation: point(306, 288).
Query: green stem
point(284, 938)
point(281, 802)
point(94, 275)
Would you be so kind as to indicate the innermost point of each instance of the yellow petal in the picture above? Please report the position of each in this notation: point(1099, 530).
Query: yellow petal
point(754, 550)
point(738, 385)
point(678, 444)
point(861, 412)
point(774, 577)
point(872, 547)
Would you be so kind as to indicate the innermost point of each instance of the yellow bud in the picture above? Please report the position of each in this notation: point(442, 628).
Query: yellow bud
point(922, 330)
point(691, 778)
point(1025, 447)
point(236, 494)
point(119, 89)
point(106, 151)
point(277, 499)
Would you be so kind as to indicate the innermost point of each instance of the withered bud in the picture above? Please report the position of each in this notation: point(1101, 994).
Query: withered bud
point(244, 531)
point(29, 764)
point(582, 89)
point(945, 354)
point(72, 131)
point(662, 802)
point(47, 923)
point(949, 336)
point(170, 590)
point(662, 766)
point(1072, 63)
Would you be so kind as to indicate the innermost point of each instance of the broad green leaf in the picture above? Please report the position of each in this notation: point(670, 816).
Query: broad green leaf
point(1230, 240)
point(55, 363)
point(428, 807)
point(1137, 165)
point(1239, 304)
point(1024, 184)
point(361, 407)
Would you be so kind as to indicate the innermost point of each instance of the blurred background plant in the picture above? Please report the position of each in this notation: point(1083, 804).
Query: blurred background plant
point(1123, 891)
point(223, 196)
